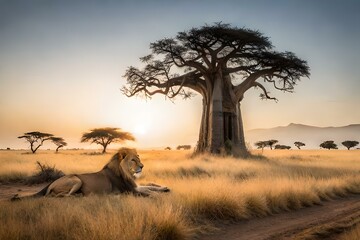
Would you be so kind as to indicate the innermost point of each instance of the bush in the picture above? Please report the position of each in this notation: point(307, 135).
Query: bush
point(45, 173)
point(185, 147)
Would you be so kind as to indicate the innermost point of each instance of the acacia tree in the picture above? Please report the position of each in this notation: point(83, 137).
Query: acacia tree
point(261, 144)
point(350, 144)
point(221, 63)
point(299, 144)
point(36, 139)
point(106, 136)
point(279, 146)
point(329, 145)
point(59, 142)
point(271, 143)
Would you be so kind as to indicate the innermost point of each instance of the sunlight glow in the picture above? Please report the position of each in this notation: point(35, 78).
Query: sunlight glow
point(140, 130)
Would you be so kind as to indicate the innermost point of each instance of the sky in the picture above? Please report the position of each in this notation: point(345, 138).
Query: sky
point(62, 65)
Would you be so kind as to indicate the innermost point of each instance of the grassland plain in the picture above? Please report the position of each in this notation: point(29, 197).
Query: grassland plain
point(206, 190)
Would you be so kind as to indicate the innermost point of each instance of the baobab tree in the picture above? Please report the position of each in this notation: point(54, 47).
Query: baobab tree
point(106, 136)
point(221, 63)
point(36, 139)
point(59, 142)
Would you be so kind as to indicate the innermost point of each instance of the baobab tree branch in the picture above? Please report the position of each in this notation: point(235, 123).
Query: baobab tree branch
point(139, 83)
point(240, 68)
point(248, 82)
point(265, 94)
point(172, 50)
point(287, 85)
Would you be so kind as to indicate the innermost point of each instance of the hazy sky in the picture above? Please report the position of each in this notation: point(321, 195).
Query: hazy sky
point(62, 62)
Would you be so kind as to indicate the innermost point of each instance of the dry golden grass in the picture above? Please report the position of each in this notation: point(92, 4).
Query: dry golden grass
point(353, 234)
point(205, 189)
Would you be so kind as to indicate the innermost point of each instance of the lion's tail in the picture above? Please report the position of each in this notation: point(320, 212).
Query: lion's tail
point(41, 193)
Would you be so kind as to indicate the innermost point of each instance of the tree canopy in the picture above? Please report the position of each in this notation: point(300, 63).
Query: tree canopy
point(261, 144)
point(220, 62)
point(245, 53)
point(271, 143)
point(59, 142)
point(299, 144)
point(329, 145)
point(106, 136)
point(350, 144)
point(36, 139)
point(268, 143)
point(279, 146)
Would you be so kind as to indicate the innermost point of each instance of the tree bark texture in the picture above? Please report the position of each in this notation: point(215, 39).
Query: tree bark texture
point(221, 121)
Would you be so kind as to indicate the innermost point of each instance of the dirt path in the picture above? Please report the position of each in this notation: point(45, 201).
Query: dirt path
point(318, 222)
point(9, 190)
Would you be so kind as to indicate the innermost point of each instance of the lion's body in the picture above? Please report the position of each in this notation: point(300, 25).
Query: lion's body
point(117, 176)
point(64, 186)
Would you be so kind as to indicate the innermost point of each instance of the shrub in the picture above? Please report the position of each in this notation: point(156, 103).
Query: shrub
point(45, 173)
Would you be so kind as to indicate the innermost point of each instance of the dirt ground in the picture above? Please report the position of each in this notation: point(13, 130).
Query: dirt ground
point(9, 190)
point(325, 221)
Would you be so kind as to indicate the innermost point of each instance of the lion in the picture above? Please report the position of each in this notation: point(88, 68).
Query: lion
point(116, 177)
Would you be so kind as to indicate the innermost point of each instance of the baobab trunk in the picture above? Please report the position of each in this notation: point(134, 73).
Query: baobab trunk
point(231, 126)
point(221, 122)
point(216, 119)
point(204, 125)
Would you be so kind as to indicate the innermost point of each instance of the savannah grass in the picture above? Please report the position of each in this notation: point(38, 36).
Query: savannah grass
point(205, 191)
point(352, 234)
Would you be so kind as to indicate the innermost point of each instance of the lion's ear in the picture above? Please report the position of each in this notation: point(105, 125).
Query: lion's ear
point(122, 153)
point(116, 157)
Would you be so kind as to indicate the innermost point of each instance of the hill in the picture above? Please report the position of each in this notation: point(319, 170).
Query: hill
point(310, 135)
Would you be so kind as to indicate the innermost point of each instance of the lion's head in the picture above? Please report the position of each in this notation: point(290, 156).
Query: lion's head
point(128, 161)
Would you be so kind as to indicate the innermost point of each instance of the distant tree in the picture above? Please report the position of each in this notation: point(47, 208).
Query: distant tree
point(328, 145)
point(36, 139)
point(271, 143)
point(350, 144)
point(261, 144)
point(168, 148)
point(185, 147)
point(299, 144)
point(59, 142)
point(278, 146)
point(106, 136)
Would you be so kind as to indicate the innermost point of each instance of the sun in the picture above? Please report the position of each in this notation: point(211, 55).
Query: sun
point(140, 130)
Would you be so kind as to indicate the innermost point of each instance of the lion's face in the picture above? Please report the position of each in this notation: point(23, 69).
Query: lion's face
point(135, 166)
point(132, 164)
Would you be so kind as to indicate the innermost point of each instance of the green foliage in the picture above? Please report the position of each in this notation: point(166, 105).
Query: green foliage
point(329, 145)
